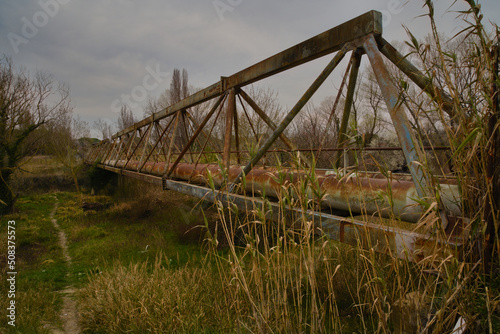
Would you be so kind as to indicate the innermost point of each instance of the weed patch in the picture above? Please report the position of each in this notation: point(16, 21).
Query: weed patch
point(159, 300)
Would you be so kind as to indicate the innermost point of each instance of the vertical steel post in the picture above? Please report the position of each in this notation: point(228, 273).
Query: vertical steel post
point(172, 140)
point(195, 135)
point(236, 135)
point(230, 110)
point(355, 63)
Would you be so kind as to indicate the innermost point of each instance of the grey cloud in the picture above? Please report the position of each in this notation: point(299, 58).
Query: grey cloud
point(102, 48)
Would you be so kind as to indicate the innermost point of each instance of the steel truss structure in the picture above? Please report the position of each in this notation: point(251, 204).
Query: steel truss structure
point(177, 148)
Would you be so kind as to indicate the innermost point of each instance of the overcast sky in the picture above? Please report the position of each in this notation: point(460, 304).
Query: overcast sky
point(110, 48)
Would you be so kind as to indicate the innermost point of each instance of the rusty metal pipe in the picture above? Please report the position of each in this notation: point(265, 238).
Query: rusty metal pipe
point(355, 194)
point(397, 242)
point(328, 149)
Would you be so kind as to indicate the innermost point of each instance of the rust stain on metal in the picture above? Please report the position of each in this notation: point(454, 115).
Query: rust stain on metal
point(353, 193)
point(342, 231)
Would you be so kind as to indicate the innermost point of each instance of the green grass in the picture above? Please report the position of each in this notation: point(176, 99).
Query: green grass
point(125, 233)
point(41, 269)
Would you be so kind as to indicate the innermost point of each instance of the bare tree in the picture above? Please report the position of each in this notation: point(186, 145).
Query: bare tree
point(64, 144)
point(309, 127)
point(179, 88)
point(185, 87)
point(104, 128)
point(175, 86)
point(126, 118)
point(371, 115)
point(151, 106)
point(252, 127)
point(26, 104)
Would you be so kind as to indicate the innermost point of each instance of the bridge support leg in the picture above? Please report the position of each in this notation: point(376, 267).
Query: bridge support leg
point(409, 142)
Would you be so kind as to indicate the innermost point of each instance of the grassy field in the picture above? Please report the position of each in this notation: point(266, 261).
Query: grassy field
point(137, 270)
point(146, 260)
point(149, 260)
point(137, 267)
point(119, 238)
point(157, 232)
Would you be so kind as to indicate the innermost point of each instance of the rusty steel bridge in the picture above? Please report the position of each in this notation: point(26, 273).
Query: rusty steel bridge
point(177, 150)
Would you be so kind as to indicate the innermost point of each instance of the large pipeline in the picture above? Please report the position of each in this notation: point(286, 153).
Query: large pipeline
point(365, 195)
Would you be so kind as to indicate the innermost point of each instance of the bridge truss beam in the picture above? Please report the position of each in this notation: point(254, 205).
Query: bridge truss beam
point(177, 135)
